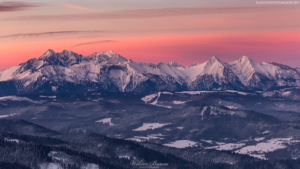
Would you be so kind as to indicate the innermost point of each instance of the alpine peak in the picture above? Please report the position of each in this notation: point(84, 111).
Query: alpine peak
point(194, 64)
point(109, 53)
point(163, 62)
point(48, 53)
point(213, 60)
point(175, 64)
point(245, 59)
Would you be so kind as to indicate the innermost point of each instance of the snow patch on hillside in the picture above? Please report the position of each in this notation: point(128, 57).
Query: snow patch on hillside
point(238, 92)
point(155, 101)
point(106, 120)
point(179, 102)
point(265, 132)
point(89, 166)
point(17, 98)
point(259, 139)
point(232, 107)
point(146, 138)
point(196, 92)
point(50, 97)
point(152, 126)
point(227, 146)
point(3, 116)
point(167, 93)
point(259, 149)
point(50, 166)
point(181, 144)
point(148, 98)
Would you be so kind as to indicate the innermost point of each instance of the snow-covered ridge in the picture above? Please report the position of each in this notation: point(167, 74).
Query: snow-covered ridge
point(106, 120)
point(112, 72)
point(152, 126)
point(181, 144)
point(17, 98)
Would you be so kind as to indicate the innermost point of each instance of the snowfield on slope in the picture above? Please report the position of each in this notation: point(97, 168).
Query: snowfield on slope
point(17, 98)
point(50, 166)
point(148, 98)
point(152, 126)
point(3, 116)
point(106, 120)
point(146, 138)
point(228, 146)
point(181, 144)
point(271, 145)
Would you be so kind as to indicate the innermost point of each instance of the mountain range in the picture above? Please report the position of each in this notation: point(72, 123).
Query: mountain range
point(69, 72)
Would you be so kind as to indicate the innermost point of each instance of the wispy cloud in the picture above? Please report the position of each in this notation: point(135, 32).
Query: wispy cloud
point(94, 42)
point(48, 34)
point(75, 7)
point(146, 13)
point(10, 6)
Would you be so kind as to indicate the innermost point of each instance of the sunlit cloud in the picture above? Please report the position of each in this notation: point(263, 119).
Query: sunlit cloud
point(10, 6)
point(48, 34)
point(150, 13)
point(94, 42)
point(75, 7)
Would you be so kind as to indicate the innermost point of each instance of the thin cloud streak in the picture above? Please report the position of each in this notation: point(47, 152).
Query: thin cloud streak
point(75, 7)
point(146, 13)
point(11, 6)
point(47, 34)
point(94, 42)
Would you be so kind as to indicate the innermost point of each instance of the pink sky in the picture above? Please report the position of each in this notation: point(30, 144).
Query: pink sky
point(151, 32)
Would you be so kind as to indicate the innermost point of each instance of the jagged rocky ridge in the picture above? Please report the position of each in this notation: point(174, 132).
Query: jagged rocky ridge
point(69, 72)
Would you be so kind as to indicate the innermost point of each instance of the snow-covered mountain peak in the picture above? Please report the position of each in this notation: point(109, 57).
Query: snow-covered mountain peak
point(65, 51)
point(214, 61)
point(47, 54)
point(194, 64)
point(130, 61)
point(244, 68)
point(252, 73)
point(175, 64)
point(107, 57)
point(214, 67)
point(68, 52)
point(109, 53)
point(162, 62)
point(116, 59)
point(244, 60)
point(98, 57)
point(65, 58)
